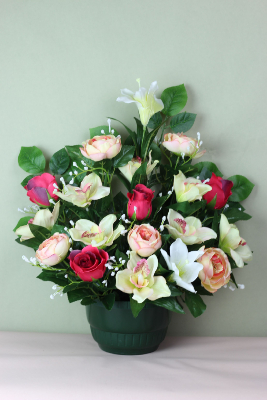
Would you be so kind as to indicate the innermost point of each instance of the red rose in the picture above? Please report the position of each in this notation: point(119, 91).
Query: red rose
point(221, 187)
point(141, 198)
point(40, 189)
point(89, 262)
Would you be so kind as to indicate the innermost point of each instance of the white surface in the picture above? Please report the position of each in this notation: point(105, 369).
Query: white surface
point(37, 366)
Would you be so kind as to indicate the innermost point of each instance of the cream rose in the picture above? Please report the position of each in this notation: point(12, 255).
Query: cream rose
point(53, 250)
point(216, 269)
point(182, 144)
point(144, 240)
point(100, 147)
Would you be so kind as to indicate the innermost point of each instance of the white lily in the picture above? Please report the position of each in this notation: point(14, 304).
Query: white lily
point(182, 263)
point(188, 229)
point(231, 243)
point(138, 278)
point(89, 233)
point(146, 101)
point(90, 189)
point(44, 218)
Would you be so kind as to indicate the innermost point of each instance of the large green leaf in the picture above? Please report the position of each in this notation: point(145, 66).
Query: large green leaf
point(195, 304)
point(158, 202)
point(186, 208)
point(59, 162)
point(124, 180)
point(79, 294)
point(32, 160)
point(241, 189)
point(26, 180)
point(182, 122)
point(32, 243)
point(155, 121)
point(51, 276)
point(233, 215)
point(205, 168)
point(87, 301)
point(155, 151)
point(136, 307)
point(108, 300)
point(58, 228)
point(174, 99)
point(125, 155)
point(170, 303)
point(39, 232)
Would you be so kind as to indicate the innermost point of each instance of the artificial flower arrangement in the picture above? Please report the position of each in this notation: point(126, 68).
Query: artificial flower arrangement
point(170, 241)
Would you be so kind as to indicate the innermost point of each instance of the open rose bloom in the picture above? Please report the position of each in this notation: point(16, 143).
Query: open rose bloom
point(130, 214)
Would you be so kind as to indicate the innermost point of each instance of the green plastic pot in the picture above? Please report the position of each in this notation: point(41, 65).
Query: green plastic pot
point(118, 332)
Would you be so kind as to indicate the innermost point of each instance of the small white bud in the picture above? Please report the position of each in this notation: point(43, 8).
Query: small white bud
point(83, 163)
point(20, 210)
point(172, 188)
point(26, 209)
point(225, 286)
point(70, 173)
point(127, 221)
point(164, 218)
point(200, 143)
point(241, 286)
point(66, 276)
point(198, 136)
point(54, 287)
point(71, 222)
point(87, 209)
point(51, 297)
point(116, 269)
point(240, 209)
point(197, 177)
point(118, 137)
point(232, 288)
point(70, 249)
point(120, 259)
point(182, 154)
point(109, 122)
point(85, 168)
point(112, 273)
point(65, 229)
point(128, 252)
point(102, 131)
point(206, 181)
point(160, 194)
point(161, 228)
point(135, 209)
point(33, 260)
point(24, 258)
point(76, 172)
point(61, 294)
point(70, 240)
point(160, 208)
point(104, 281)
point(71, 181)
point(123, 262)
point(74, 164)
point(123, 217)
point(169, 192)
point(62, 180)
point(51, 201)
point(112, 131)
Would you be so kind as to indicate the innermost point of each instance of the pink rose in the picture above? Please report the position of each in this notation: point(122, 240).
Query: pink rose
point(144, 240)
point(141, 198)
point(179, 143)
point(100, 147)
point(89, 263)
point(220, 187)
point(216, 269)
point(40, 189)
point(53, 250)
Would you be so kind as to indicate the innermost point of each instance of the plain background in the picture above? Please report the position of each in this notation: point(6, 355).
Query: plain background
point(63, 64)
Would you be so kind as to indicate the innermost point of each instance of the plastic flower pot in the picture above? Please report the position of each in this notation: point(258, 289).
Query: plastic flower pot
point(118, 332)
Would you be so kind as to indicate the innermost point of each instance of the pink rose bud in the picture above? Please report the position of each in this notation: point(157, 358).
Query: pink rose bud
point(101, 147)
point(183, 145)
point(140, 200)
point(40, 189)
point(144, 240)
point(53, 250)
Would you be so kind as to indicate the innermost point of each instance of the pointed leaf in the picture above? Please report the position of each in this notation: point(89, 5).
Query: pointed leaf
point(32, 160)
point(182, 122)
point(174, 99)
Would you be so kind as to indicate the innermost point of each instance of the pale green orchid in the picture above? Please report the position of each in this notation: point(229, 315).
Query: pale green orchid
point(129, 169)
point(231, 243)
point(146, 101)
point(44, 218)
point(89, 233)
point(90, 189)
point(189, 189)
point(182, 263)
point(138, 278)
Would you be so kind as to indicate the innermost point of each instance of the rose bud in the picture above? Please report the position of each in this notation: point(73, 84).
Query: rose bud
point(100, 147)
point(40, 189)
point(141, 198)
point(89, 263)
point(216, 269)
point(221, 187)
point(53, 250)
point(144, 240)
point(182, 144)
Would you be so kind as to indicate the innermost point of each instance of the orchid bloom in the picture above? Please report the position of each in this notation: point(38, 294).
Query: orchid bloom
point(91, 189)
point(89, 233)
point(188, 229)
point(189, 189)
point(44, 218)
point(231, 243)
point(138, 278)
point(182, 263)
point(129, 169)
point(146, 101)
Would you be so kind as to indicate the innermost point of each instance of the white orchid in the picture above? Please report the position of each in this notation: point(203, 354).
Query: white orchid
point(129, 169)
point(90, 189)
point(189, 189)
point(146, 101)
point(182, 263)
point(188, 229)
point(44, 218)
point(88, 232)
point(138, 278)
point(231, 243)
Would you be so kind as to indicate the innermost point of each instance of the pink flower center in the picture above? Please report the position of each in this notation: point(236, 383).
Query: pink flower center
point(142, 265)
point(181, 223)
point(217, 264)
point(242, 243)
point(145, 233)
point(140, 273)
point(88, 234)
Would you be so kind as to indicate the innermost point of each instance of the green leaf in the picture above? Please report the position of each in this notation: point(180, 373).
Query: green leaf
point(205, 168)
point(23, 221)
point(26, 180)
point(202, 291)
point(97, 131)
point(241, 189)
point(136, 307)
point(174, 99)
point(125, 155)
point(119, 254)
point(59, 162)
point(156, 152)
point(131, 133)
point(139, 134)
point(170, 303)
point(182, 122)
point(175, 291)
point(124, 180)
point(32, 160)
point(139, 173)
point(87, 301)
point(233, 215)
point(232, 277)
point(51, 276)
point(129, 141)
point(39, 232)
point(186, 208)
point(195, 304)
point(121, 202)
point(155, 121)
point(147, 142)
point(32, 243)
point(79, 294)
point(59, 229)
point(108, 300)
point(158, 202)
point(232, 262)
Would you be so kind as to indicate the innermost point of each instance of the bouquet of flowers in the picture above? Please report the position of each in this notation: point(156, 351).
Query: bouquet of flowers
point(169, 238)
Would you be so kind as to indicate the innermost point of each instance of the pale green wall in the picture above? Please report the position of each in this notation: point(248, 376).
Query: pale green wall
point(63, 64)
